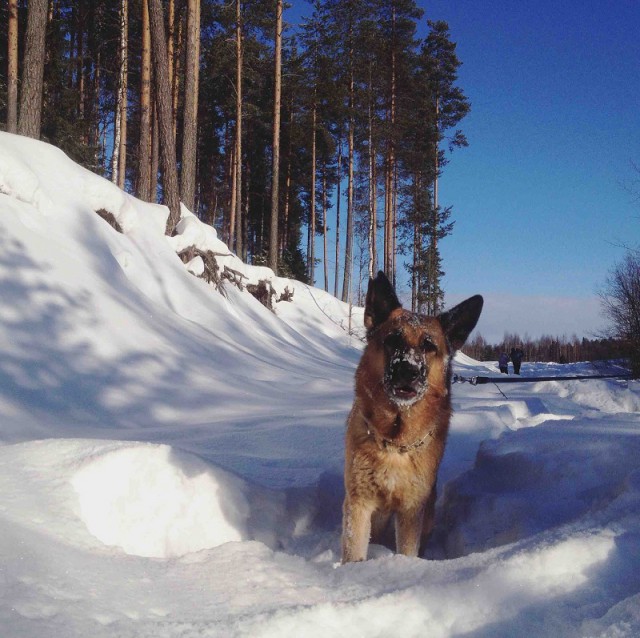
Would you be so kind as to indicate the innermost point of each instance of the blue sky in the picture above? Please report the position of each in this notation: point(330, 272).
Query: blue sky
point(539, 195)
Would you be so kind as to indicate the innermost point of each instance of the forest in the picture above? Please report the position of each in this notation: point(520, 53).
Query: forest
point(310, 135)
point(548, 348)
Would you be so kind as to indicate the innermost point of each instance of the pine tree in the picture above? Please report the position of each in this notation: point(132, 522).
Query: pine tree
point(144, 153)
point(30, 118)
point(119, 157)
point(12, 68)
point(190, 119)
point(163, 101)
point(275, 170)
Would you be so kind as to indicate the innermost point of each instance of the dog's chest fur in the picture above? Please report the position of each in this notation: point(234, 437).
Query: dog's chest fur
point(394, 457)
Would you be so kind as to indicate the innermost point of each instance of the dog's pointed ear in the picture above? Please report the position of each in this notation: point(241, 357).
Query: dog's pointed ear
point(458, 322)
point(381, 301)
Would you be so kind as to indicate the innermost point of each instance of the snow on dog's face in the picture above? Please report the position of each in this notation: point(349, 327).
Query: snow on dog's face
point(412, 351)
point(407, 353)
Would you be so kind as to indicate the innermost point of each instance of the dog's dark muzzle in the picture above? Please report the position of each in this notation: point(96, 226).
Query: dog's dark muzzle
point(405, 379)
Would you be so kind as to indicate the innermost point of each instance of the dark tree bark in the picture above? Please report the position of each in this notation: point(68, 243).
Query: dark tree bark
point(236, 225)
point(33, 70)
point(275, 173)
point(144, 154)
point(119, 157)
point(190, 126)
point(12, 68)
point(163, 102)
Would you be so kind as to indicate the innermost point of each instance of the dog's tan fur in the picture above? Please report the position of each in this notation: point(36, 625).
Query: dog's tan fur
point(393, 451)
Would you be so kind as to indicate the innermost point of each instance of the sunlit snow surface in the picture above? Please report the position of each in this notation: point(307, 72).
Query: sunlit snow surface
point(171, 458)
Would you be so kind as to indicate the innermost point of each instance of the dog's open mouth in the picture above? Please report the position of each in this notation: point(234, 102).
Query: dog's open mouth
point(405, 392)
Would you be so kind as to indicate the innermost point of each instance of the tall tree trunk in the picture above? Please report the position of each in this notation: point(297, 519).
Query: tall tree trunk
point(144, 154)
point(81, 80)
point(436, 166)
point(324, 228)
point(387, 215)
point(312, 200)
point(392, 158)
point(238, 152)
point(94, 18)
point(119, 158)
point(416, 242)
point(190, 118)
point(177, 44)
point(348, 252)
point(94, 135)
point(163, 101)
point(30, 118)
point(275, 171)
point(231, 231)
point(286, 230)
point(339, 179)
point(12, 68)
point(155, 153)
point(372, 184)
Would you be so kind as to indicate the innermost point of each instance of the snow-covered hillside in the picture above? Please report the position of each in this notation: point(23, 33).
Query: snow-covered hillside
point(171, 457)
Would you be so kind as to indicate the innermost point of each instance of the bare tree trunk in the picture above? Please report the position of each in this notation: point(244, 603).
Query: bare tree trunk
point(436, 162)
point(275, 171)
point(94, 136)
point(392, 160)
point(33, 70)
point(163, 101)
point(171, 24)
point(286, 230)
point(119, 158)
point(80, 62)
point(176, 44)
point(339, 179)
point(190, 120)
point(348, 253)
point(312, 202)
point(372, 185)
point(416, 243)
point(12, 68)
point(238, 151)
point(144, 155)
point(387, 215)
point(232, 196)
point(155, 154)
point(324, 227)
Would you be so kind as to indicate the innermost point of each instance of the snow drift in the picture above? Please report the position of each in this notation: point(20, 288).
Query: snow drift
point(171, 455)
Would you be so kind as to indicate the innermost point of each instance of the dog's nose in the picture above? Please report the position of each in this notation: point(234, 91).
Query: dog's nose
point(404, 372)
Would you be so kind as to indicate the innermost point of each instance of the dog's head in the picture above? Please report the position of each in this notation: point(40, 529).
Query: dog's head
point(411, 351)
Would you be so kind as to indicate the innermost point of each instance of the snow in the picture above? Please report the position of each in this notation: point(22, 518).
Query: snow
point(171, 457)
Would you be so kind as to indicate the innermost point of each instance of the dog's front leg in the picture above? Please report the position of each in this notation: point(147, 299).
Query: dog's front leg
point(408, 531)
point(356, 531)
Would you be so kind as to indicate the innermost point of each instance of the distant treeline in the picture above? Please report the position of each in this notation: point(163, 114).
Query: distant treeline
point(548, 348)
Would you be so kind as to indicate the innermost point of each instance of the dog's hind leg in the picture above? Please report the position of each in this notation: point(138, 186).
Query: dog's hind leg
point(356, 531)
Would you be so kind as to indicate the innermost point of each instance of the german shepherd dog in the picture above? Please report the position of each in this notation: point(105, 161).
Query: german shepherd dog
point(397, 428)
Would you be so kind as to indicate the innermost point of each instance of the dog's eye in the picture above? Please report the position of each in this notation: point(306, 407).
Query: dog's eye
point(427, 345)
point(393, 342)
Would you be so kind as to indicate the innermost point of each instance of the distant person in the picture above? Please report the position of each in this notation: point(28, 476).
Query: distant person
point(563, 359)
point(503, 363)
point(516, 357)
